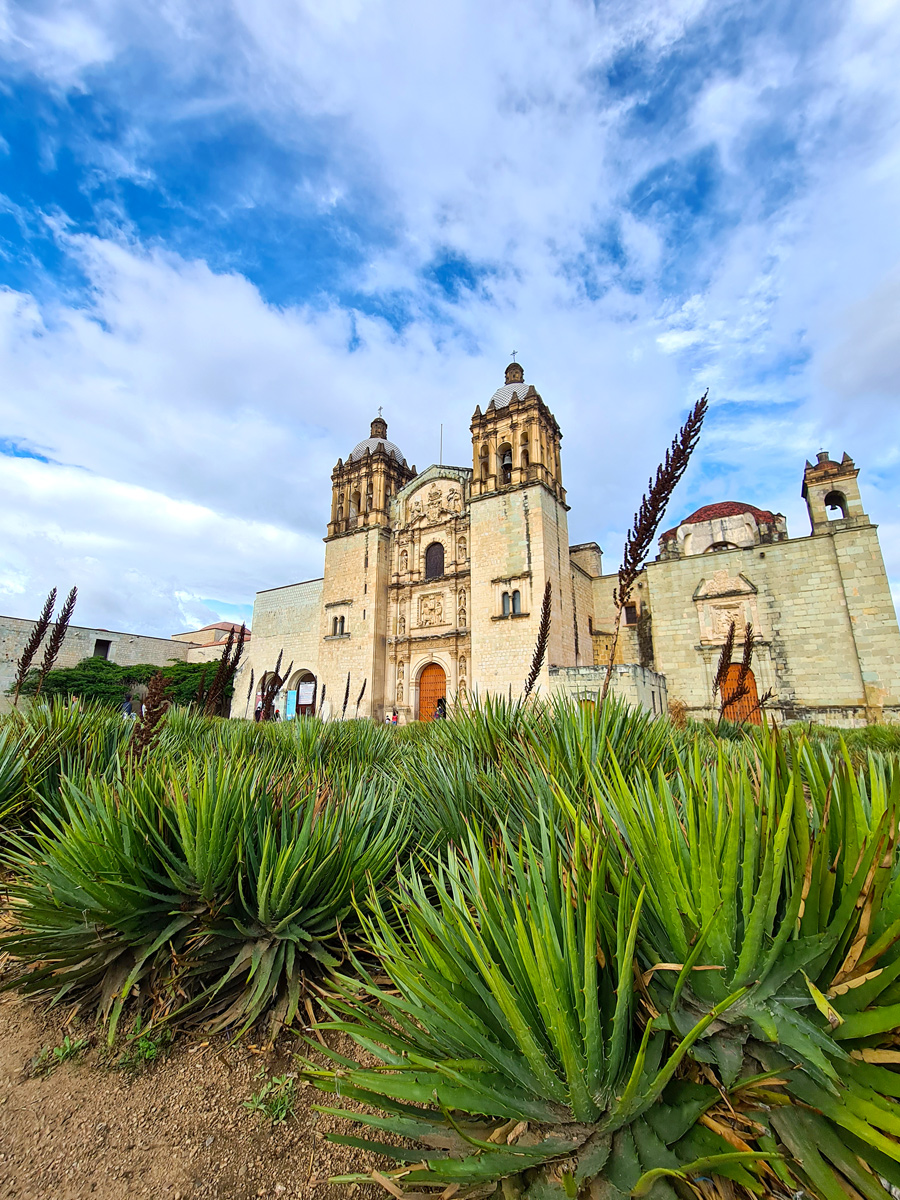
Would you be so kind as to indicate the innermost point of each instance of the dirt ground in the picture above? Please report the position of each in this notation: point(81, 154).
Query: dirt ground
point(176, 1129)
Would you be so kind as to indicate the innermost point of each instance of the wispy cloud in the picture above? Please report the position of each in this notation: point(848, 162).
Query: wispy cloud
point(232, 230)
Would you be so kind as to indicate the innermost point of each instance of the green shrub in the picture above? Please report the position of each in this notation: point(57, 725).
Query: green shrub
point(96, 680)
point(209, 891)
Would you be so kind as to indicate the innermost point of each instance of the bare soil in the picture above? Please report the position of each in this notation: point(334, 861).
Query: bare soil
point(176, 1129)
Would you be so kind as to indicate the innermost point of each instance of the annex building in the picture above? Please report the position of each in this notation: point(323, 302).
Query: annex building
point(433, 583)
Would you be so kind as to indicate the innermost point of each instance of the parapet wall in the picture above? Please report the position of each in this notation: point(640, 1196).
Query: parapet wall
point(638, 686)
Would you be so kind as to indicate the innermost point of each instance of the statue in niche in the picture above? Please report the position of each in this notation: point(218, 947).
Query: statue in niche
point(415, 509)
point(461, 549)
point(462, 673)
point(454, 500)
point(401, 623)
point(431, 610)
point(461, 620)
point(400, 674)
point(434, 504)
point(404, 561)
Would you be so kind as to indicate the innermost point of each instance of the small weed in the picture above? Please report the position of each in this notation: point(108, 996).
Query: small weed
point(145, 1047)
point(275, 1099)
point(52, 1056)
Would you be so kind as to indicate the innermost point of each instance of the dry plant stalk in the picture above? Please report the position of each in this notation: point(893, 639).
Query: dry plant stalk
point(56, 639)
point(362, 692)
point(32, 646)
point(678, 711)
point(322, 700)
point(647, 518)
point(270, 688)
point(724, 661)
point(540, 646)
point(200, 697)
point(225, 672)
point(149, 725)
point(249, 692)
point(346, 696)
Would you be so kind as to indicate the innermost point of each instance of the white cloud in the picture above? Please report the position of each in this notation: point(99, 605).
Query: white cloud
point(489, 130)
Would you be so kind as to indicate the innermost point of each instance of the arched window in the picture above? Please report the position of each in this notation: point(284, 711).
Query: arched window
point(341, 625)
point(354, 505)
point(434, 561)
point(836, 503)
point(506, 604)
point(716, 546)
point(334, 626)
point(369, 499)
point(505, 455)
point(525, 460)
point(516, 601)
point(483, 456)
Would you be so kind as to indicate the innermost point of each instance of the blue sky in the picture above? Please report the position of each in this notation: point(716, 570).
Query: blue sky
point(230, 231)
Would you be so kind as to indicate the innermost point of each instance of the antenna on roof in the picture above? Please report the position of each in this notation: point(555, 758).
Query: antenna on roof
point(441, 450)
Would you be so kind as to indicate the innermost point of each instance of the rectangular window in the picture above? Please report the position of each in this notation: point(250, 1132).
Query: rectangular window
point(101, 648)
point(631, 614)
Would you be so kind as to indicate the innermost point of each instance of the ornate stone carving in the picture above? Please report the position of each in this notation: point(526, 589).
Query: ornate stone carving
point(404, 562)
point(431, 609)
point(454, 500)
point(400, 674)
point(461, 671)
point(435, 504)
point(462, 550)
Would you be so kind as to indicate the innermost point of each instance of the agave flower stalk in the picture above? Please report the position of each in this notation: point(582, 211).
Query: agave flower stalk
point(37, 635)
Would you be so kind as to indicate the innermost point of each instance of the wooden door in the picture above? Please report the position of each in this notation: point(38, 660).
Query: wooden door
point(432, 686)
point(743, 708)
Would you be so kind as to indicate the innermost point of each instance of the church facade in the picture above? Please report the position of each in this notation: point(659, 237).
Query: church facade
point(433, 584)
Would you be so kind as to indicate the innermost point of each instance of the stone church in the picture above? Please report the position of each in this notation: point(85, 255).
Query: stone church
point(433, 584)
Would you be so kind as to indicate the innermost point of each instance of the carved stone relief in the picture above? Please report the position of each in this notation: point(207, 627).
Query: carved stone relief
point(431, 609)
point(400, 674)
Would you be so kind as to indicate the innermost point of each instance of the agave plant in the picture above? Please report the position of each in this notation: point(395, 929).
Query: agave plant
point(779, 877)
point(508, 1035)
point(209, 890)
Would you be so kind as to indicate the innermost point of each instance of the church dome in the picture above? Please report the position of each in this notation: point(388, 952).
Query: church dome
point(729, 508)
point(377, 440)
point(515, 385)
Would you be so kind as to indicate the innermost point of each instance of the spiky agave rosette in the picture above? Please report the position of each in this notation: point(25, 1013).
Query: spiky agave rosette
point(760, 956)
point(507, 1036)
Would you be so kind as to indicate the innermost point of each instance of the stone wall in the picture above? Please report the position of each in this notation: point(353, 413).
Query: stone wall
point(636, 685)
point(284, 618)
point(126, 649)
point(829, 643)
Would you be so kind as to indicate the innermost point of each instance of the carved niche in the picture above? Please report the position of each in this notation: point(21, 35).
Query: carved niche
point(724, 598)
point(431, 609)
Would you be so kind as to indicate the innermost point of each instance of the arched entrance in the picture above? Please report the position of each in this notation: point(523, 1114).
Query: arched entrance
point(432, 686)
point(301, 695)
point(740, 708)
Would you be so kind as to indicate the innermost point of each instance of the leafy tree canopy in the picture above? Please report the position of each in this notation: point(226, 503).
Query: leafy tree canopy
point(109, 682)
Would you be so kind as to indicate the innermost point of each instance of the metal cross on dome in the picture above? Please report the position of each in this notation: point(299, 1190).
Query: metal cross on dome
point(379, 410)
point(513, 355)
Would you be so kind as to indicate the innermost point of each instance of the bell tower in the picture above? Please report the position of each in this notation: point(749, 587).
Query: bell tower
point(519, 538)
point(832, 494)
point(516, 440)
point(353, 619)
point(362, 487)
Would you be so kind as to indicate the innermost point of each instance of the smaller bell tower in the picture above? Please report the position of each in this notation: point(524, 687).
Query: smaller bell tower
point(832, 494)
point(362, 487)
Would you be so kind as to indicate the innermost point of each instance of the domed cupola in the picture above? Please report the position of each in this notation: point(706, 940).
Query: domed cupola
point(362, 486)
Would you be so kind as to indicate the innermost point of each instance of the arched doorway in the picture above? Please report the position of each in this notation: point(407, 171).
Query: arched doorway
point(740, 708)
point(301, 695)
point(432, 686)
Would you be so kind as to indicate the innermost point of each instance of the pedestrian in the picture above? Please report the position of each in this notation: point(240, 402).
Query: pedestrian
point(276, 715)
point(394, 718)
point(440, 709)
point(257, 716)
point(127, 707)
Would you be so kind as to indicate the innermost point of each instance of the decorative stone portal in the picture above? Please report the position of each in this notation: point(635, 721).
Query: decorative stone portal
point(432, 687)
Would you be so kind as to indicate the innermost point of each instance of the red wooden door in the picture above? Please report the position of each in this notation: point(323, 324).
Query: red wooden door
point(742, 708)
point(432, 686)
